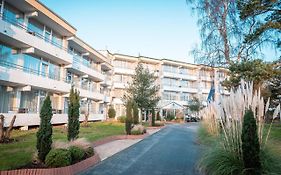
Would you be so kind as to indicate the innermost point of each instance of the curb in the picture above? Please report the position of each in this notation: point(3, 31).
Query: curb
point(80, 166)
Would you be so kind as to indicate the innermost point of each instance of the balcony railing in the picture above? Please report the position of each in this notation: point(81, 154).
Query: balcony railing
point(30, 31)
point(31, 71)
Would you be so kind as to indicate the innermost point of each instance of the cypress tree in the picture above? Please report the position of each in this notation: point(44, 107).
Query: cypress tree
point(129, 113)
point(73, 115)
point(153, 117)
point(135, 113)
point(250, 145)
point(44, 134)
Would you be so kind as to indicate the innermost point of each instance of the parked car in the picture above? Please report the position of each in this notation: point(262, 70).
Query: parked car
point(189, 118)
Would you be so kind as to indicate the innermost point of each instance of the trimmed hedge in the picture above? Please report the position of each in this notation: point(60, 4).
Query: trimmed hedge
point(58, 158)
point(77, 153)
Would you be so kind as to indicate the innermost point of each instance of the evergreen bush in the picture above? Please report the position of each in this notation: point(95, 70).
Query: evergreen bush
point(153, 117)
point(58, 158)
point(135, 113)
point(129, 117)
point(122, 119)
point(73, 115)
point(250, 145)
point(77, 153)
point(111, 112)
point(44, 134)
point(89, 152)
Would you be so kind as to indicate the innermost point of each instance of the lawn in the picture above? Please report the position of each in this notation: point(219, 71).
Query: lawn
point(20, 153)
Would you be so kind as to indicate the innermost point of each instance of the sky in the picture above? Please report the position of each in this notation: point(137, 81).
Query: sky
point(153, 28)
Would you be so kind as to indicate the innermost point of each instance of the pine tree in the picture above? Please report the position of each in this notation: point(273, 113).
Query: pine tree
point(250, 145)
point(73, 115)
point(44, 134)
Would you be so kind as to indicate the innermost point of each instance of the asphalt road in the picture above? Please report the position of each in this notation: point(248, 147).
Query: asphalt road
point(171, 151)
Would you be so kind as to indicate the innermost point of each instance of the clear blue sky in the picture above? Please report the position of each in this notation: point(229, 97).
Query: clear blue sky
point(154, 28)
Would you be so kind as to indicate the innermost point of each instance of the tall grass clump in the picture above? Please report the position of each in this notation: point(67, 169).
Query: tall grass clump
point(223, 119)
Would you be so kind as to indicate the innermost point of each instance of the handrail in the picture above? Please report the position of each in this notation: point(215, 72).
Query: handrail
point(30, 31)
point(31, 71)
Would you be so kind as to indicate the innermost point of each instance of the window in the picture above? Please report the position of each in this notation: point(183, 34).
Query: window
point(170, 95)
point(170, 68)
point(170, 82)
point(184, 96)
point(184, 83)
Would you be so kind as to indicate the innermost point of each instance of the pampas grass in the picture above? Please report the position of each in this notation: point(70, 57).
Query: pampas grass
point(223, 119)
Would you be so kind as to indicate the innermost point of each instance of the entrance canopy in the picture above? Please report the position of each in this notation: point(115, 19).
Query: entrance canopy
point(172, 105)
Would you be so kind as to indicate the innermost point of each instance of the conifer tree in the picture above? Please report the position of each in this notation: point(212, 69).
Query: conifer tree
point(73, 115)
point(44, 134)
point(250, 145)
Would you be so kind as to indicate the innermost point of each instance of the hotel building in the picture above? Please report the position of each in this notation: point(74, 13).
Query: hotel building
point(179, 81)
point(40, 54)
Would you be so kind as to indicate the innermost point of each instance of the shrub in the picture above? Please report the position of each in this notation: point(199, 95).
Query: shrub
point(220, 161)
point(122, 119)
point(250, 144)
point(89, 151)
point(136, 132)
point(58, 158)
point(170, 116)
point(111, 112)
point(158, 116)
point(44, 134)
point(138, 129)
point(77, 153)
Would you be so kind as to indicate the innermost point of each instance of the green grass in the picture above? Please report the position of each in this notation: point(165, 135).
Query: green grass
point(20, 153)
point(217, 160)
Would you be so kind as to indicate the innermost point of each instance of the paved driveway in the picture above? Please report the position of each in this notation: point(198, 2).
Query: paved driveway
point(171, 151)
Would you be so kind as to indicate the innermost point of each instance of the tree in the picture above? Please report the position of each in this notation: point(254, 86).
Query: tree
point(153, 117)
point(44, 134)
point(222, 33)
point(143, 89)
point(135, 112)
point(73, 115)
point(111, 112)
point(267, 15)
point(274, 84)
point(194, 105)
point(5, 132)
point(257, 71)
point(250, 145)
point(129, 116)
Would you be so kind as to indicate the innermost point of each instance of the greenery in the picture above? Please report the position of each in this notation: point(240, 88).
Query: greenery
point(135, 112)
point(129, 116)
point(255, 70)
point(89, 152)
point(153, 117)
point(194, 105)
point(122, 119)
point(170, 116)
point(267, 16)
point(111, 112)
point(73, 115)
point(58, 158)
point(250, 145)
point(44, 134)
point(136, 132)
point(77, 153)
point(219, 161)
point(143, 89)
point(20, 153)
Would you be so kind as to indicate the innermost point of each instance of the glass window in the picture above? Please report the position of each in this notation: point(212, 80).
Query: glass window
point(29, 100)
point(35, 27)
point(31, 64)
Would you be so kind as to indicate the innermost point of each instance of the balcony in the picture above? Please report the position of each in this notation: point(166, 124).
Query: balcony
point(17, 74)
point(119, 85)
point(18, 35)
point(81, 69)
point(94, 95)
point(124, 71)
point(180, 76)
point(189, 89)
point(107, 81)
point(206, 78)
point(171, 88)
